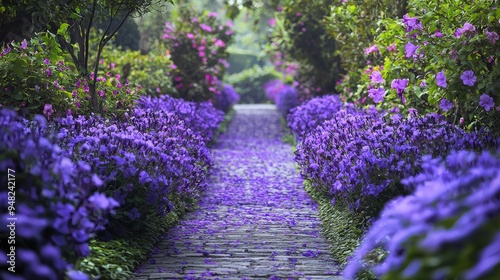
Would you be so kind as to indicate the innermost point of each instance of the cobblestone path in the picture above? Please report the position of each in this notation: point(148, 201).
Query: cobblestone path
point(255, 221)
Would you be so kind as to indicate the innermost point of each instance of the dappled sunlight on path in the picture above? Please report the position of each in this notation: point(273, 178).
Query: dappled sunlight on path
point(255, 219)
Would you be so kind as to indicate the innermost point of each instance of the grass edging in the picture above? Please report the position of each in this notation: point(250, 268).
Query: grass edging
point(340, 226)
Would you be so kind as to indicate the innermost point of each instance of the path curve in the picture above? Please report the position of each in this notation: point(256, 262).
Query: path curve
point(255, 220)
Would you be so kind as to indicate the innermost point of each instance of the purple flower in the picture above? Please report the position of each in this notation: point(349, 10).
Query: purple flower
point(377, 94)
point(438, 34)
point(399, 85)
point(371, 49)
point(47, 110)
point(410, 49)
point(468, 78)
point(445, 104)
point(441, 79)
point(466, 29)
point(411, 23)
point(134, 214)
point(492, 36)
point(423, 84)
point(486, 102)
point(376, 77)
point(103, 202)
point(23, 45)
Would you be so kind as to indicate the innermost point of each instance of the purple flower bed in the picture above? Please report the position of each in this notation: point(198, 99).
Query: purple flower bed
point(72, 173)
point(59, 203)
point(226, 98)
point(360, 158)
point(449, 228)
point(201, 117)
point(309, 115)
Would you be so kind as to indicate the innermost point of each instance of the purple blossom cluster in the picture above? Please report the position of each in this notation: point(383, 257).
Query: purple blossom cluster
point(272, 89)
point(448, 228)
point(283, 95)
point(60, 203)
point(360, 157)
point(200, 117)
point(310, 114)
point(226, 98)
point(155, 155)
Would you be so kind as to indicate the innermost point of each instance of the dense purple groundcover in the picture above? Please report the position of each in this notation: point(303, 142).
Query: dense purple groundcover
point(201, 117)
point(66, 170)
point(59, 203)
point(310, 114)
point(360, 157)
point(449, 228)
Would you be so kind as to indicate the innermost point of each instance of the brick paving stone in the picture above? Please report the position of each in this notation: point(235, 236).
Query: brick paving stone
point(254, 221)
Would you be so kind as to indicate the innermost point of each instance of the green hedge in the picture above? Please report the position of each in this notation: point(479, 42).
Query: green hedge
point(240, 60)
point(249, 84)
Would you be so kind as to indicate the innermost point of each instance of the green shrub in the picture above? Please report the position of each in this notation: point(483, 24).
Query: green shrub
point(240, 60)
point(249, 84)
point(300, 36)
point(33, 74)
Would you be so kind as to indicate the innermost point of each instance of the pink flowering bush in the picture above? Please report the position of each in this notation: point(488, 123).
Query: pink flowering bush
point(198, 48)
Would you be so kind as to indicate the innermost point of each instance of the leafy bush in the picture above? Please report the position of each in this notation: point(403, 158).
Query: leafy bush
point(198, 45)
point(249, 83)
point(436, 59)
point(447, 229)
point(240, 60)
point(361, 158)
point(40, 81)
point(33, 73)
point(354, 24)
point(59, 203)
point(152, 71)
point(301, 37)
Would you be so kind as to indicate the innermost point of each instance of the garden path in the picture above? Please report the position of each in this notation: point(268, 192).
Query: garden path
point(255, 220)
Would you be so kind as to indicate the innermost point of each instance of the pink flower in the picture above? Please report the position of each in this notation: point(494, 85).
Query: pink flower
point(190, 35)
point(219, 43)
point(272, 21)
point(47, 110)
point(391, 47)
point(205, 27)
point(212, 14)
point(173, 66)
